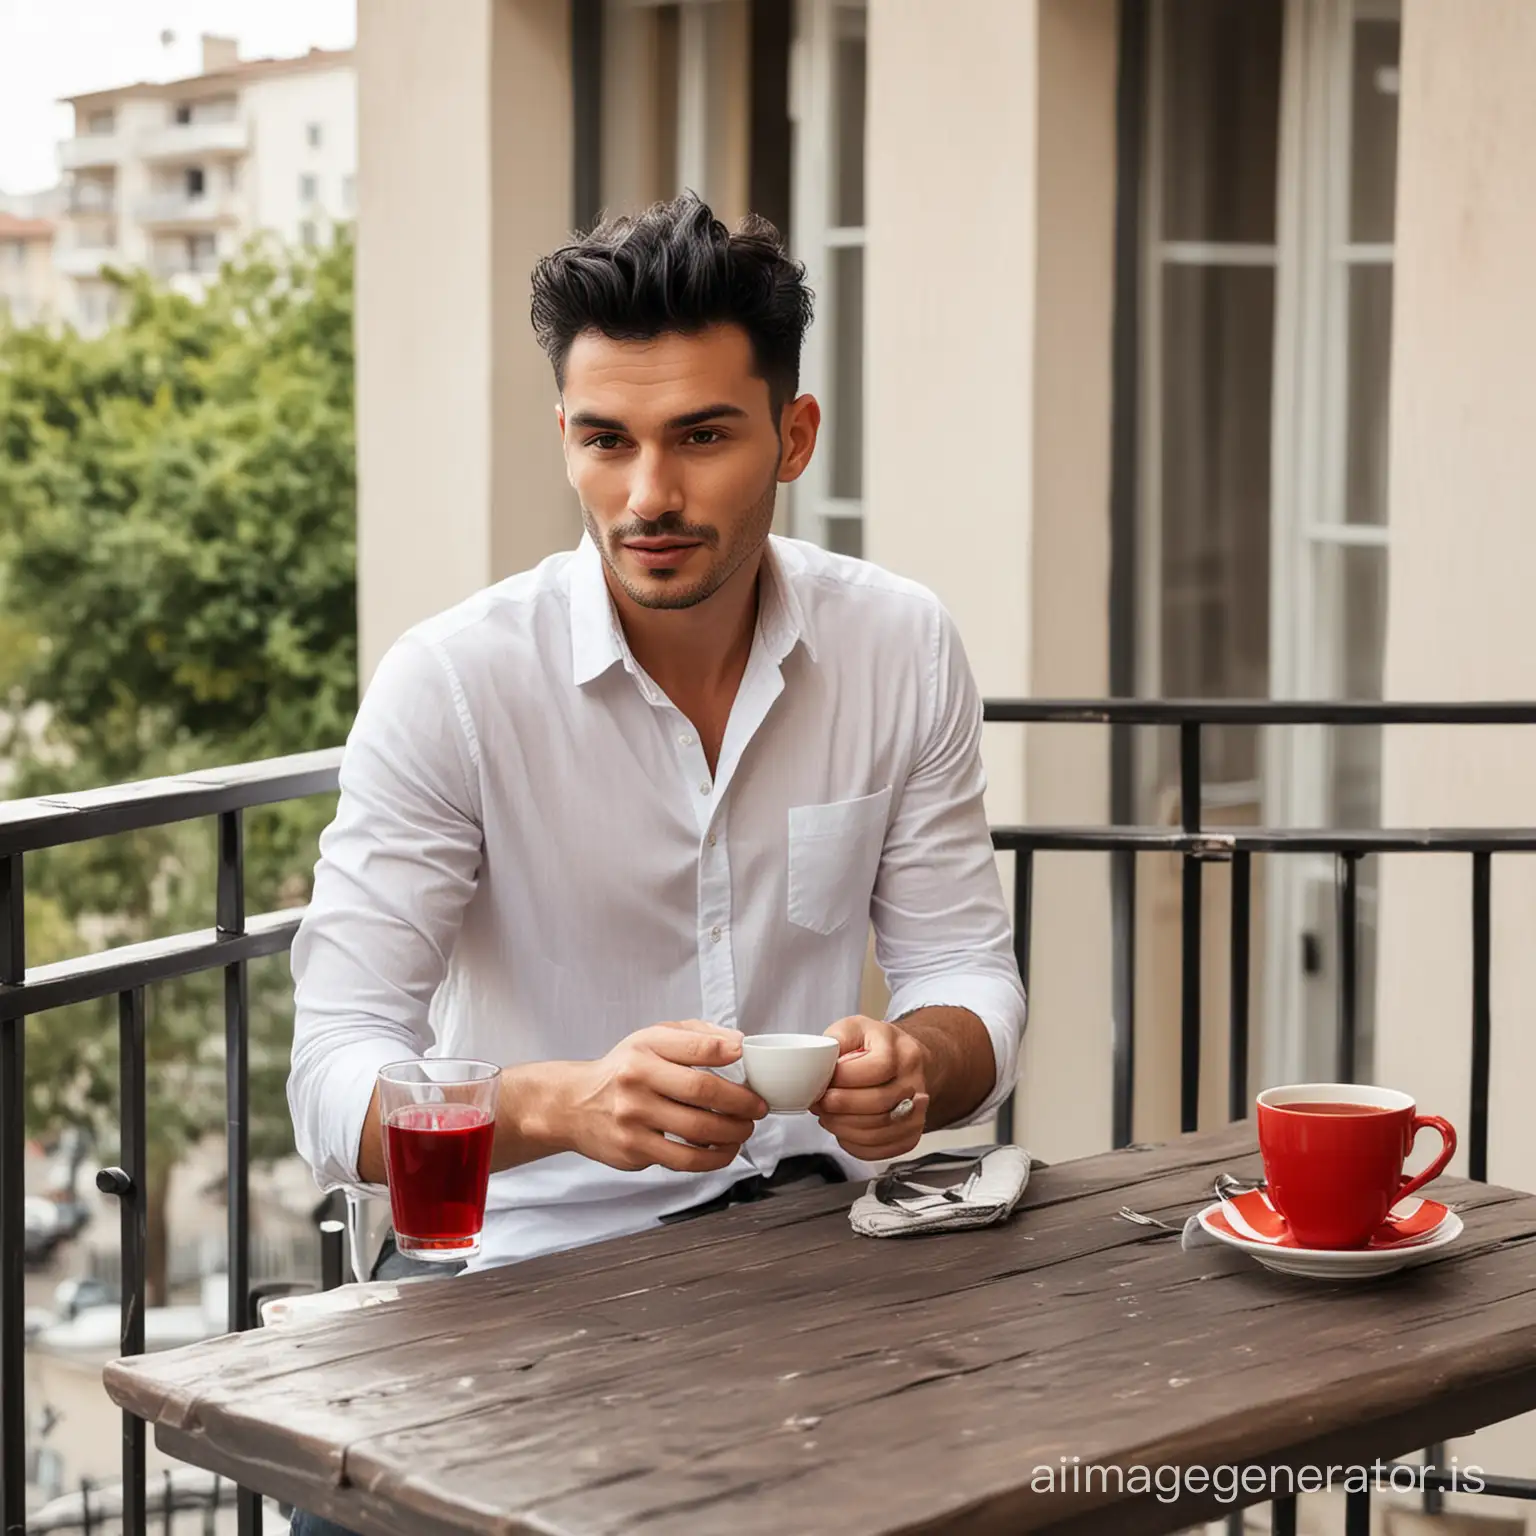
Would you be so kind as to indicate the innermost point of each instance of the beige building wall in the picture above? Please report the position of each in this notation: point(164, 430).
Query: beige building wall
point(29, 283)
point(1066, 1064)
point(465, 176)
point(987, 439)
point(1463, 566)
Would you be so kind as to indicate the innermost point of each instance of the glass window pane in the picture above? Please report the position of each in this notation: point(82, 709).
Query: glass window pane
point(847, 414)
point(1369, 392)
point(1373, 147)
point(848, 86)
point(1221, 119)
point(845, 536)
point(1352, 591)
point(1218, 333)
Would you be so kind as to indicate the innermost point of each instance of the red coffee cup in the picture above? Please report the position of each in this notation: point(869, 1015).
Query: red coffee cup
point(1333, 1155)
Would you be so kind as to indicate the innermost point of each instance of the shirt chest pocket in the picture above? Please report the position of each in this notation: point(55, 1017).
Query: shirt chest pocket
point(834, 856)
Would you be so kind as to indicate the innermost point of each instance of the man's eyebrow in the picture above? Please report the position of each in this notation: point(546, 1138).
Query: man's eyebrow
point(591, 421)
point(698, 418)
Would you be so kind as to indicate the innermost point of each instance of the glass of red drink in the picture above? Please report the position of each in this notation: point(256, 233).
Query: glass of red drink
point(439, 1119)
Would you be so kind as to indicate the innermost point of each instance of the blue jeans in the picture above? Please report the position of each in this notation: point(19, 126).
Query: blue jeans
point(313, 1525)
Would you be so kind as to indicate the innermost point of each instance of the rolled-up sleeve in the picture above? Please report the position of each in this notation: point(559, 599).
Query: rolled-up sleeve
point(942, 934)
point(397, 867)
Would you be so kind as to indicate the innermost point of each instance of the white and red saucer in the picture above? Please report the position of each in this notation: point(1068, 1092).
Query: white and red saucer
point(1414, 1233)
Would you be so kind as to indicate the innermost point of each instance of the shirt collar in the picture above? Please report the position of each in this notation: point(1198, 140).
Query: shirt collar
point(597, 641)
point(780, 617)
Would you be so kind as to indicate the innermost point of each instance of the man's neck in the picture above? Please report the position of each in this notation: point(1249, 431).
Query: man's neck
point(697, 656)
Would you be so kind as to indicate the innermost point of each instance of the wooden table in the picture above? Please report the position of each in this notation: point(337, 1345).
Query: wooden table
point(765, 1371)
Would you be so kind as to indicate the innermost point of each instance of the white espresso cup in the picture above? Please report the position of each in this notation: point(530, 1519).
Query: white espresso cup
point(789, 1072)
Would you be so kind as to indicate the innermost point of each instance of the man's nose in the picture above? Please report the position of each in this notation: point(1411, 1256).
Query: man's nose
point(654, 487)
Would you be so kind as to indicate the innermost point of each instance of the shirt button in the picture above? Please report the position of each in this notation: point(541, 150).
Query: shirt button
point(711, 839)
point(705, 788)
point(686, 739)
point(714, 934)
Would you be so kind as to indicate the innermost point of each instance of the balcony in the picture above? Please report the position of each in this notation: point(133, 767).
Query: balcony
point(91, 151)
point(91, 198)
point(194, 141)
point(85, 260)
point(223, 796)
point(184, 210)
point(191, 282)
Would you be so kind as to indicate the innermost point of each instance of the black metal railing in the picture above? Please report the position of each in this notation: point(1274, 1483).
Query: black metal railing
point(31, 826)
point(237, 938)
point(1199, 846)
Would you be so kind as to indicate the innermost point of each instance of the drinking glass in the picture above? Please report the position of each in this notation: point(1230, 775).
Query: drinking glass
point(439, 1119)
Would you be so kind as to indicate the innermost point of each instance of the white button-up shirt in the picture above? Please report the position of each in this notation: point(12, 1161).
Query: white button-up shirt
point(532, 860)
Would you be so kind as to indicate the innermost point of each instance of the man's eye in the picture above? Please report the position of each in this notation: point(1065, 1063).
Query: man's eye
point(605, 440)
point(703, 436)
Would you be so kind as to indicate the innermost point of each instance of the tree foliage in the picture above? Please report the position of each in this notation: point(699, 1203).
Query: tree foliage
point(177, 590)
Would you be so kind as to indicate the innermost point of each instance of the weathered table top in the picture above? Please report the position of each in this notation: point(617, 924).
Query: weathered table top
point(765, 1371)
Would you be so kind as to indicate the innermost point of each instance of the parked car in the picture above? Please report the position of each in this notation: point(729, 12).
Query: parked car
point(72, 1297)
point(46, 1224)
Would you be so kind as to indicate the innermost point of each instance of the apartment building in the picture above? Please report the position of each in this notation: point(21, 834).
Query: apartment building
point(29, 285)
point(175, 176)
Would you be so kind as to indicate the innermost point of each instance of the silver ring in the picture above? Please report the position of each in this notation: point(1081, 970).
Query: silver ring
point(903, 1109)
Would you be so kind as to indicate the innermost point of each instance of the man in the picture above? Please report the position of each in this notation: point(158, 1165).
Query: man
point(606, 817)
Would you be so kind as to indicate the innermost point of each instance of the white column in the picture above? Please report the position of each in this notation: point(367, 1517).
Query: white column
point(950, 311)
point(1067, 1061)
point(990, 224)
point(464, 177)
point(1463, 571)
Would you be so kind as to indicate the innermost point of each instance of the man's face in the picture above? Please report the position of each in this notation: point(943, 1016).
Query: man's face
point(674, 453)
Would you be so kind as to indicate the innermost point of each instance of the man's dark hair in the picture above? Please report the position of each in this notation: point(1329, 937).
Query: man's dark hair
point(675, 267)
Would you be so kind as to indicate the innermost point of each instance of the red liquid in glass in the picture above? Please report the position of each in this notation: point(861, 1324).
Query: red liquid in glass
point(439, 1158)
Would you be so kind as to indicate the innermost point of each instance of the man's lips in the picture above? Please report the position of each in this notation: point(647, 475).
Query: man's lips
point(660, 554)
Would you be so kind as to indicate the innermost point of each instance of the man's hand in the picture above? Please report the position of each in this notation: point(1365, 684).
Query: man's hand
point(882, 1069)
point(617, 1110)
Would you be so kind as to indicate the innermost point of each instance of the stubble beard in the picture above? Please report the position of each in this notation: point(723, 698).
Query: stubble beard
point(662, 592)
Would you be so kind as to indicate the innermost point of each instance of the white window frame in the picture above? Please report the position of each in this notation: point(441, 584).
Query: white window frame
point(1309, 466)
point(812, 107)
point(1311, 257)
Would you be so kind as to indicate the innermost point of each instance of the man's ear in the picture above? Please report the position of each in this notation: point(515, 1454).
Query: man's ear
point(560, 422)
point(799, 424)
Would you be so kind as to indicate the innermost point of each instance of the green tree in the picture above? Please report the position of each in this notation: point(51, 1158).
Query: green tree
point(177, 585)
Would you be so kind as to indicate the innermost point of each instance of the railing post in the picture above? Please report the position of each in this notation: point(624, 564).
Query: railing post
point(13, 1146)
point(237, 1009)
point(333, 1254)
point(1347, 878)
point(1122, 919)
point(1237, 1029)
point(1190, 794)
point(1482, 1013)
point(129, 1182)
point(1023, 918)
point(1357, 1512)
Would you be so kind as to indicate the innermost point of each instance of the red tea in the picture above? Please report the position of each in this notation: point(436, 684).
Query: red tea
point(439, 1158)
point(1331, 1108)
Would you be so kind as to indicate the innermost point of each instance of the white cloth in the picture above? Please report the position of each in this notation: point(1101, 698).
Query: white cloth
point(531, 860)
point(942, 1192)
